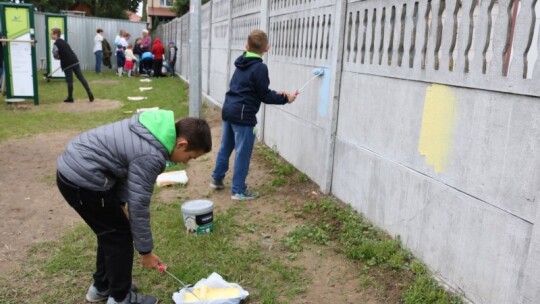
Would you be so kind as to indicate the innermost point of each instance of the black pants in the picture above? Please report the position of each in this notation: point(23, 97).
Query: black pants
point(69, 79)
point(173, 63)
point(104, 214)
point(158, 64)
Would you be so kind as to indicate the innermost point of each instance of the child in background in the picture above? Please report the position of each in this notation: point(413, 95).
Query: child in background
point(147, 64)
point(172, 57)
point(120, 59)
point(69, 64)
point(158, 51)
point(137, 51)
point(247, 89)
point(103, 169)
point(124, 40)
point(130, 59)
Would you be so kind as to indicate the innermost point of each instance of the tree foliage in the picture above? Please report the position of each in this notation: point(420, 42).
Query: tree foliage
point(101, 8)
point(181, 7)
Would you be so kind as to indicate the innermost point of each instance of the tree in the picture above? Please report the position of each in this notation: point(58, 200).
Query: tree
point(144, 16)
point(113, 9)
point(50, 6)
point(101, 8)
point(181, 7)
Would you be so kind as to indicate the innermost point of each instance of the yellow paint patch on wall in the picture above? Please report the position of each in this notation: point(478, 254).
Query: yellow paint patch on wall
point(438, 124)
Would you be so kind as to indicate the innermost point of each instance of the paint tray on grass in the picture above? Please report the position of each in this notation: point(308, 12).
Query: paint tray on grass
point(212, 290)
point(171, 178)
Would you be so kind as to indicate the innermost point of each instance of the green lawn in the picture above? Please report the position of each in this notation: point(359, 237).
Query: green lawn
point(167, 93)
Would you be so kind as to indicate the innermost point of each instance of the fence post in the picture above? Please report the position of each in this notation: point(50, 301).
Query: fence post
point(265, 16)
point(210, 16)
point(195, 94)
point(336, 70)
point(229, 46)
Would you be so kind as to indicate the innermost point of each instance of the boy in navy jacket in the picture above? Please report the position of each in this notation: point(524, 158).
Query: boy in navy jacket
point(247, 89)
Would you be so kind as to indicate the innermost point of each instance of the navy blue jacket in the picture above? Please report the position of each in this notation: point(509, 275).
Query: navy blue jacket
point(248, 88)
point(120, 58)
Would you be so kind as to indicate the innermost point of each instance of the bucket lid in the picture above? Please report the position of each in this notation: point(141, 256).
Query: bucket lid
point(198, 207)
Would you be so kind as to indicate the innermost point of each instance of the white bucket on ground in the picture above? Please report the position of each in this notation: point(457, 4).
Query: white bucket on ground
point(198, 216)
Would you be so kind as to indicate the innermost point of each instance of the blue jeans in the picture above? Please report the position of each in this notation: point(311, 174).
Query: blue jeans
point(99, 58)
point(241, 139)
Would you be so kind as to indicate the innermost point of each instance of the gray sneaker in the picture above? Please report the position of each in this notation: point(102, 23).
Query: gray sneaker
point(134, 298)
point(94, 295)
point(217, 184)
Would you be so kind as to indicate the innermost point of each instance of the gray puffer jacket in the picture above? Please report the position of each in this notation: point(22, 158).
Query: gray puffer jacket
point(123, 155)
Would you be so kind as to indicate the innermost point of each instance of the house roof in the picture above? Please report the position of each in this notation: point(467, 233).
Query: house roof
point(133, 16)
point(161, 12)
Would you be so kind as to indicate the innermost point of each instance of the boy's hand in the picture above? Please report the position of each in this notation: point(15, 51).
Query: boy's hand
point(292, 97)
point(150, 261)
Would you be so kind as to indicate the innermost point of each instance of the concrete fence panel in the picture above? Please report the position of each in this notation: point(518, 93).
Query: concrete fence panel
point(426, 120)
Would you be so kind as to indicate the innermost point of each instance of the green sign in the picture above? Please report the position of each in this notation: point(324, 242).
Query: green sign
point(20, 52)
point(54, 21)
point(18, 22)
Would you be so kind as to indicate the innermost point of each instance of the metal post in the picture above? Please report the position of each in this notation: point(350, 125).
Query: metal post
point(195, 67)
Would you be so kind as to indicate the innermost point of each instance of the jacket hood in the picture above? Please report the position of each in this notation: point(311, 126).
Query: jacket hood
point(161, 124)
point(245, 61)
point(157, 41)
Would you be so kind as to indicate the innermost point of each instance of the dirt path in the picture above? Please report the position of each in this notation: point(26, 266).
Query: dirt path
point(34, 211)
point(32, 208)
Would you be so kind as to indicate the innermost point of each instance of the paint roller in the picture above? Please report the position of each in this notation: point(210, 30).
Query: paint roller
point(317, 72)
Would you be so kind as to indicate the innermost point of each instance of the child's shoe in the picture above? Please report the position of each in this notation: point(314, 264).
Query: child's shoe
point(246, 195)
point(134, 298)
point(217, 184)
point(91, 97)
point(69, 99)
point(94, 295)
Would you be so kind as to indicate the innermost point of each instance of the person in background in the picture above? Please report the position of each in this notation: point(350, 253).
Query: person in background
point(120, 59)
point(146, 63)
point(130, 59)
point(69, 64)
point(146, 44)
point(137, 51)
point(171, 57)
point(124, 40)
point(118, 37)
point(158, 50)
point(98, 49)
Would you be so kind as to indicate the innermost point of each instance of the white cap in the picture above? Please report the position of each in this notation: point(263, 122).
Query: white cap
point(145, 31)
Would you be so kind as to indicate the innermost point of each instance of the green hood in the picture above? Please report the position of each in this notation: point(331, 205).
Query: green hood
point(162, 125)
point(251, 55)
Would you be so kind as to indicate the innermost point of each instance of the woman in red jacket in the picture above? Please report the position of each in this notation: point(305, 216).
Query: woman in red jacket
point(158, 50)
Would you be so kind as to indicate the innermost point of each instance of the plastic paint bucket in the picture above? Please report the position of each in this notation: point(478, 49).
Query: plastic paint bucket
point(198, 216)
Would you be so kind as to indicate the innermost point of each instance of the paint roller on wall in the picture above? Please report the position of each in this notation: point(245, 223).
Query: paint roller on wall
point(317, 72)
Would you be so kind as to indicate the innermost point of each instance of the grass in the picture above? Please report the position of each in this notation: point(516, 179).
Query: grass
point(167, 93)
point(60, 270)
point(329, 223)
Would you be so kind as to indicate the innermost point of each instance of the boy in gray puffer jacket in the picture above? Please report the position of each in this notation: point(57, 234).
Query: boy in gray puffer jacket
point(103, 169)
